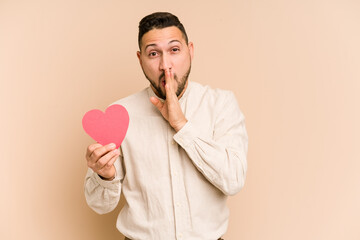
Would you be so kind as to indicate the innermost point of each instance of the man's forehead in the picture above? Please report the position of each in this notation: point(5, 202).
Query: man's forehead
point(163, 35)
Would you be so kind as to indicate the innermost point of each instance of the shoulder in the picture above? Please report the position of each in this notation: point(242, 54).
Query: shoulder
point(129, 100)
point(137, 103)
point(219, 101)
point(215, 95)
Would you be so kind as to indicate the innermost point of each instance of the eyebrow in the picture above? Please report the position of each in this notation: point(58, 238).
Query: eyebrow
point(154, 44)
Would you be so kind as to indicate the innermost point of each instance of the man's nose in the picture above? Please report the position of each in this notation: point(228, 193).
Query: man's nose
point(165, 62)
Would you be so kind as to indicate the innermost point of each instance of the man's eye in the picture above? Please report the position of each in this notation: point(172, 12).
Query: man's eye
point(175, 49)
point(152, 54)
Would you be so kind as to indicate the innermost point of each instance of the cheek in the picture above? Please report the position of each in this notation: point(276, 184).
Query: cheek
point(183, 64)
point(150, 67)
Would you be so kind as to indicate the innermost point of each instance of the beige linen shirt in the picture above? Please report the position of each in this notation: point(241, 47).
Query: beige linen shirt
point(176, 185)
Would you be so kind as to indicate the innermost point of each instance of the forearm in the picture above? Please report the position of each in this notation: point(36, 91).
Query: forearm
point(222, 162)
point(101, 195)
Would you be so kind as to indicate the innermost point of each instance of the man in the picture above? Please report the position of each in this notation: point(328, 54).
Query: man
point(183, 154)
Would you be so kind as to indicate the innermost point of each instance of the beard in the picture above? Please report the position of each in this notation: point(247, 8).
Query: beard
point(181, 84)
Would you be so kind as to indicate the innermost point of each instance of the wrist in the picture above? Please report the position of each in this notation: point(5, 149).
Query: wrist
point(106, 179)
point(180, 125)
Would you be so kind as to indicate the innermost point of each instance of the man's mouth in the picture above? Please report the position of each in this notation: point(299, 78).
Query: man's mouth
point(163, 83)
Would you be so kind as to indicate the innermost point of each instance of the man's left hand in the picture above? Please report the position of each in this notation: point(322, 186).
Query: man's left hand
point(170, 109)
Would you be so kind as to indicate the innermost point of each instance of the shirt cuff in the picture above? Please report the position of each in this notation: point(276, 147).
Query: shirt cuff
point(186, 135)
point(113, 184)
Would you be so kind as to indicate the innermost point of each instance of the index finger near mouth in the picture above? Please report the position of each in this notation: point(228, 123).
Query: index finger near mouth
point(167, 75)
point(169, 79)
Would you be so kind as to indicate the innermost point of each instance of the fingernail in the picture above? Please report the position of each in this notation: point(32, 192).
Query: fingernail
point(112, 145)
point(116, 151)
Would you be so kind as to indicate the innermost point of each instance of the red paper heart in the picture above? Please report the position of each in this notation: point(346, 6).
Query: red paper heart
point(108, 127)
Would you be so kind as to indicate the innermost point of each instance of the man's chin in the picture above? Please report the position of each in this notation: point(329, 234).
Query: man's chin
point(159, 91)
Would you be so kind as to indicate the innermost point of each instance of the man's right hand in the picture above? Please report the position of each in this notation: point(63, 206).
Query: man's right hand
point(101, 159)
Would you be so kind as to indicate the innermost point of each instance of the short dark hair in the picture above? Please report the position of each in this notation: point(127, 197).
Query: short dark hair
point(159, 20)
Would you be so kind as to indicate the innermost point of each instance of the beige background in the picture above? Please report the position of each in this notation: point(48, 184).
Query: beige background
point(295, 69)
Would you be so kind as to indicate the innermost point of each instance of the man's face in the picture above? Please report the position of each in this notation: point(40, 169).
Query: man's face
point(163, 49)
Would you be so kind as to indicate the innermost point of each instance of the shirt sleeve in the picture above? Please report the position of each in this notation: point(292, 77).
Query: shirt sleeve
point(103, 196)
point(222, 157)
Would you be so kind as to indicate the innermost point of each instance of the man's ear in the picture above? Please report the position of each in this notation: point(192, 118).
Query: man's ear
point(138, 53)
point(191, 50)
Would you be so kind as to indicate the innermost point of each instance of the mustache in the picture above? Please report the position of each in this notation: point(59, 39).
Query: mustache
point(163, 76)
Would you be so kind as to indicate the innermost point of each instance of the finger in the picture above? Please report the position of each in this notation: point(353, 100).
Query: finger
point(91, 148)
point(107, 167)
point(167, 75)
point(169, 78)
point(157, 103)
point(100, 151)
point(170, 94)
point(112, 161)
point(104, 160)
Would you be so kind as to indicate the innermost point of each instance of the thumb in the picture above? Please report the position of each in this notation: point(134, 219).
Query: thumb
point(157, 103)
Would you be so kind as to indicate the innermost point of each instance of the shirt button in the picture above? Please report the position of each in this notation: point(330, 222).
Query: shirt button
point(173, 142)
